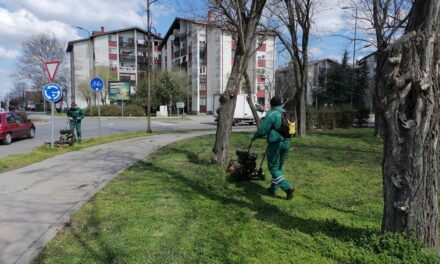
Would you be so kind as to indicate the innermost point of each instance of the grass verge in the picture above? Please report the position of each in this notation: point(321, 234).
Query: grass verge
point(177, 207)
point(44, 152)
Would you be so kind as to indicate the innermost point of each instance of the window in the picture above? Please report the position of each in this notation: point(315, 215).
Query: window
point(261, 56)
point(261, 87)
point(203, 87)
point(202, 69)
point(112, 37)
point(202, 54)
point(113, 51)
point(10, 119)
point(202, 101)
point(19, 119)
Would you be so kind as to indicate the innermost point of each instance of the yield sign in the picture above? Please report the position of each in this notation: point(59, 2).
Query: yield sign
point(51, 68)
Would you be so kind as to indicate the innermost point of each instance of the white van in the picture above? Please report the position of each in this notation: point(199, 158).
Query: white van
point(243, 112)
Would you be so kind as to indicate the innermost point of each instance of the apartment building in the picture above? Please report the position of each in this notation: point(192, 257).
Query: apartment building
point(206, 50)
point(123, 51)
point(317, 78)
point(317, 72)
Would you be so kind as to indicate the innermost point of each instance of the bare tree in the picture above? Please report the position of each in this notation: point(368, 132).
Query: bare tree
point(241, 17)
point(35, 51)
point(409, 81)
point(384, 21)
point(18, 93)
point(296, 19)
point(107, 75)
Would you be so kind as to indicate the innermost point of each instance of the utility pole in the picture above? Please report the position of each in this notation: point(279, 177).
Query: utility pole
point(150, 66)
point(353, 83)
point(354, 52)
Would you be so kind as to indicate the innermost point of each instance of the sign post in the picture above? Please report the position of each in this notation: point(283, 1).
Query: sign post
point(52, 93)
point(180, 105)
point(96, 85)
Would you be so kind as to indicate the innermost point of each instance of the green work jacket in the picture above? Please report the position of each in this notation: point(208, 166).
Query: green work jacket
point(76, 114)
point(269, 124)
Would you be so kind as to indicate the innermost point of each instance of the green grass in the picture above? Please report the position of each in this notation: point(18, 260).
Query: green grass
point(44, 152)
point(177, 207)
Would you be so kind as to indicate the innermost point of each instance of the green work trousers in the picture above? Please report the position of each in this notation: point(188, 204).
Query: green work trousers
point(276, 153)
point(76, 125)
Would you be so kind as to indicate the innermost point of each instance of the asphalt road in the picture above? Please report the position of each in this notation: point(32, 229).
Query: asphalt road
point(109, 126)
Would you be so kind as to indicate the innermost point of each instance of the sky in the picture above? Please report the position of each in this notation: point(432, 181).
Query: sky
point(19, 19)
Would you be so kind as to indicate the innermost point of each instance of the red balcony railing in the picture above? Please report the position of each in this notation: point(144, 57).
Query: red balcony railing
point(261, 63)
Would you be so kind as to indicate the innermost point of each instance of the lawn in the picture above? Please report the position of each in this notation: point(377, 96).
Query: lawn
point(177, 207)
point(45, 151)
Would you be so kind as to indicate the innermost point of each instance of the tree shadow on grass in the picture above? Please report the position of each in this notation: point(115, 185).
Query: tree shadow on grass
point(90, 238)
point(265, 211)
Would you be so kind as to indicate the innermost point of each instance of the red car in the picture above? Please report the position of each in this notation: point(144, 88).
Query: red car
point(14, 126)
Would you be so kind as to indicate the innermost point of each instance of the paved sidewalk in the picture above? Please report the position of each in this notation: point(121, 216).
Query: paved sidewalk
point(36, 201)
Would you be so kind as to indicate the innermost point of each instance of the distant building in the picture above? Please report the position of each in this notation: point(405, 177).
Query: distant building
point(316, 82)
point(370, 61)
point(317, 78)
point(124, 51)
point(205, 50)
point(285, 82)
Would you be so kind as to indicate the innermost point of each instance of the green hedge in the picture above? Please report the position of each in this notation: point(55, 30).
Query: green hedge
point(335, 117)
point(115, 110)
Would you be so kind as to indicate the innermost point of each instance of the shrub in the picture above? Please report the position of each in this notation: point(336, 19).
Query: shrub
point(106, 110)
point(134, 110)
point(335, 117)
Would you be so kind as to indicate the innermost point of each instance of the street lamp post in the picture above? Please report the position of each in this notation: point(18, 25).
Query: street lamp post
point(354, 52)
point(90, 62)
point(150, 63)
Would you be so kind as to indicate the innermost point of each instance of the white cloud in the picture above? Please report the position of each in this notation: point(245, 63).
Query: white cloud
point(111, 14)
point(328, 17)
point(19, 25)
point(9, 54)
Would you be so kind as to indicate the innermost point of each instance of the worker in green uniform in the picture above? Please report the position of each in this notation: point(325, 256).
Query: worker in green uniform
point(75, 115)
point(278, 147)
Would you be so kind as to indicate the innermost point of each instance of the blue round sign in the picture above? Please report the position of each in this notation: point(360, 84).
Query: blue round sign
point(52, 92)
point(96, 84)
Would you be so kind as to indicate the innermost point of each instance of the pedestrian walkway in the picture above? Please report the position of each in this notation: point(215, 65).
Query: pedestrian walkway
point(36, 201)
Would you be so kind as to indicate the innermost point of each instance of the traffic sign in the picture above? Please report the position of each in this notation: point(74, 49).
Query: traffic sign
point(52, 92)
point(180, 105)
point(51, 68)
point(96, 84)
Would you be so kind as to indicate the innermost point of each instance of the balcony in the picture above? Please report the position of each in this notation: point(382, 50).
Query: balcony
point(124, 44)
point(142, 59)
point(203, 78)
point(127, 69)
point(126, 57)
point(261, 63)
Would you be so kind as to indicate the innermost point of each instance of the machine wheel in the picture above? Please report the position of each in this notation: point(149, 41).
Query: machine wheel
point(31, 133)
point(235, 122)
point(8, 139)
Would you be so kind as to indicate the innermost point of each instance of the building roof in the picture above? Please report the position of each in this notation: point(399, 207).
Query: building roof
point(366, 57)
point(321, 60)
point(99, 33)
point(203, 23)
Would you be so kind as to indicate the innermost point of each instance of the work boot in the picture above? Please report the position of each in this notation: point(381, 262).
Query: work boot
point(289, 193)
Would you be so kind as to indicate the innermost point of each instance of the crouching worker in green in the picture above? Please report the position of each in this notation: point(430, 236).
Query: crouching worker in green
point(75, 115)
point(278, 146)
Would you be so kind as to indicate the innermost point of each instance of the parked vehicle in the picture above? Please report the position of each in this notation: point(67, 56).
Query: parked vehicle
point(14, 126)
point(243, 112)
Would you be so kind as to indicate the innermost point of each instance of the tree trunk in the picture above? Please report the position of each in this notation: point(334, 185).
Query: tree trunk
point(226, 112)
point(411, 113)
point(300, 113)
point(247, 86)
